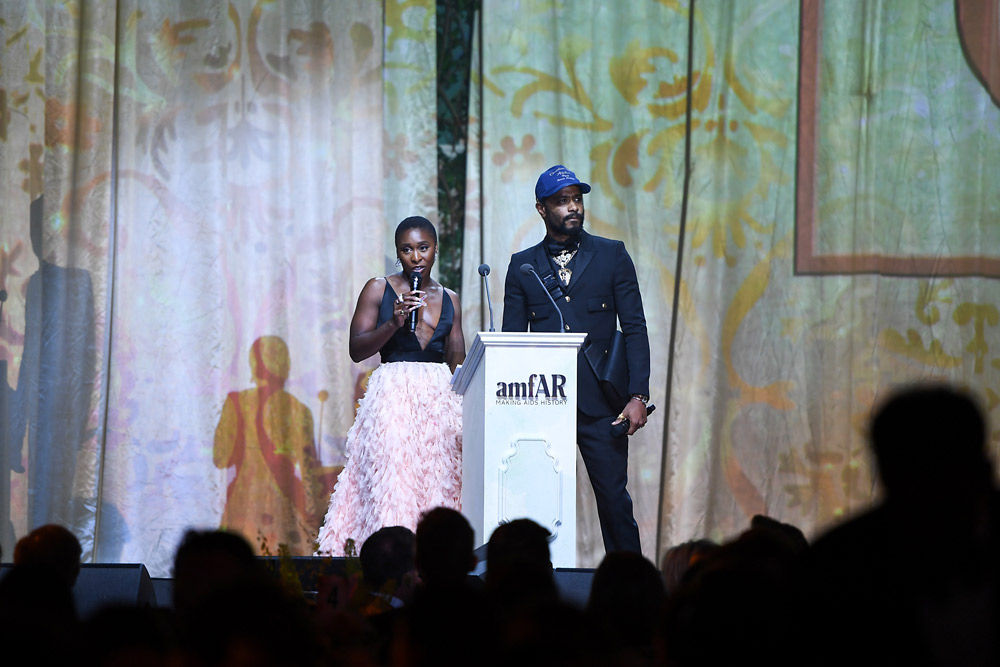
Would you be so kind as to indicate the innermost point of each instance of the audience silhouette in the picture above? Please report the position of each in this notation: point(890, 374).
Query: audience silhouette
point(519, 566)
point(678, 559)
point(387, 566)
point(445, 556)
point(37, 607)
point(38, 614)
point(913, 581)
point(52, 547)
point(449, 620)
point(206, 561)
point(918, 574)
point(736, 604)
point(626, 597)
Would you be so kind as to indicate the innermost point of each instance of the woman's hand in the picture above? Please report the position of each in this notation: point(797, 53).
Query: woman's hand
point(367, 335)
point(406, 304)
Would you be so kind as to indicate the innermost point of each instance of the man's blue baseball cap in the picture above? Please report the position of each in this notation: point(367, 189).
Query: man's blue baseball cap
point(555, 179)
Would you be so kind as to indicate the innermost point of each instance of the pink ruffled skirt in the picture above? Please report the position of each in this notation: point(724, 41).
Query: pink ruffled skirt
point(404, 455)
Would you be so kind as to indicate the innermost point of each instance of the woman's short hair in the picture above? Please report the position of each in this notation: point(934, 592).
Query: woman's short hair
point(415, 222)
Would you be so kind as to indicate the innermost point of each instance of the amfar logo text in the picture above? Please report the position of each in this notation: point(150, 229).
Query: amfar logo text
point(544, 389)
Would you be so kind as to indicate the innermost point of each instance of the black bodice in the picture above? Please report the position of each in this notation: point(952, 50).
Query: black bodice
point(405, 346)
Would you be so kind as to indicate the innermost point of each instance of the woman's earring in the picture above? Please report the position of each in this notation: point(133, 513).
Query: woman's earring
point(399, 262)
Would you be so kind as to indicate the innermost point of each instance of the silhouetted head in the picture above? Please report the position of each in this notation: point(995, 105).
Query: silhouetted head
point(518, 563)
point(52, 547)
point(208, 560)
point(786, 535)
point(269, 361)
point(519, 541)
point(735, 605)
point(626, 598)
point(679, 558)
point(444, 547)
point(387, 555)
point(250, 620)
point(930, 437)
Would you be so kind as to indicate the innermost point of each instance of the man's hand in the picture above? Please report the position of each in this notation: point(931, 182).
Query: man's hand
point(635, 412)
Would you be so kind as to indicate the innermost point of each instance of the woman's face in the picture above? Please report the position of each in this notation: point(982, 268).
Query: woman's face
point(415, 249)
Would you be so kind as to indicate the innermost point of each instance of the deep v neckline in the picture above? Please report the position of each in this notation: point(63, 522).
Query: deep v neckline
point(437, 325)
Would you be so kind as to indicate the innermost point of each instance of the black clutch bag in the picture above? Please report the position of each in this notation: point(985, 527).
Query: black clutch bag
point(610, 365)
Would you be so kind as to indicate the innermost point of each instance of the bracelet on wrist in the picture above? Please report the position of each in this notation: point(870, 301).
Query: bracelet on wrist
point(641, 398)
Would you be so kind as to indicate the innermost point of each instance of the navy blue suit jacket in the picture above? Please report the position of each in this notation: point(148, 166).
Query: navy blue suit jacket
point(602, 293)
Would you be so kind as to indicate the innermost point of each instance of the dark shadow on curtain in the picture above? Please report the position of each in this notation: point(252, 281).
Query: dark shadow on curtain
point(113, 536)
point(54, 385)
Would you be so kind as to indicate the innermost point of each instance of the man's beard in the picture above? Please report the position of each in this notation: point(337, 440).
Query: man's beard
point(562, 229)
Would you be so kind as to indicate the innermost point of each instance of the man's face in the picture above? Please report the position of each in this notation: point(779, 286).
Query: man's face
point(563, 213)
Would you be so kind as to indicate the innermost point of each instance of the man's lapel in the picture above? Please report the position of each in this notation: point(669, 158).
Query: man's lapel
point(540, 260)
point(583, 257)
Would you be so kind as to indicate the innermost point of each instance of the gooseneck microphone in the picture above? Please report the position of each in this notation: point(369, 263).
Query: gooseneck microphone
point(414, 285)
point(484, 270)
point(527, 268)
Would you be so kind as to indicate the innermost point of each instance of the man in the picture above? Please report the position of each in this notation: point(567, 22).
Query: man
point(53, 547)
point(918, 574)
point(445, 556)
point(594, 283)
point(388, 569)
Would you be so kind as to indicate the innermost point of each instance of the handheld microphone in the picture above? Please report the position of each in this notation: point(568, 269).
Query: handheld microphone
point(3, 297)
point(622, 428)
point(484, 270)
point(527, 268)
point(414, 285)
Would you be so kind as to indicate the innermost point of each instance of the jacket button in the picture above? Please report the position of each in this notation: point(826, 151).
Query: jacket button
point(567, 327)
point(604, 305)
point(567, 298)
point(532, 313)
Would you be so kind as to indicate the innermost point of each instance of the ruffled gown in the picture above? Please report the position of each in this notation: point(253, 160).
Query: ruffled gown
point(404, 451)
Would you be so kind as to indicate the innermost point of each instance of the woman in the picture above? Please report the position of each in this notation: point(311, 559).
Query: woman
point(404, 451)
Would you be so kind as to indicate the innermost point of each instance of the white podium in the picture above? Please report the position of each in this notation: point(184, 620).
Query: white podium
point(519, 434)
